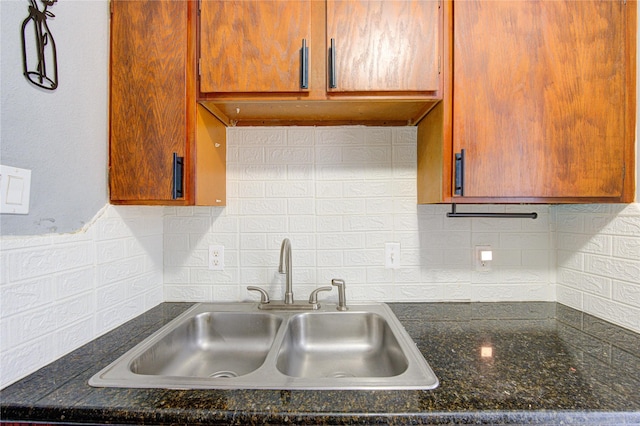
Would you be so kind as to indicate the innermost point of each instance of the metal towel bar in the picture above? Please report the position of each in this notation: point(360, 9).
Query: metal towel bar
point(454, 213)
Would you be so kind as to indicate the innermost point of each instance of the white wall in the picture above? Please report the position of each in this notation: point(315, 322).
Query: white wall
point(72, 268)
point(61, 135)
point(598, 257)
point(59, 291)
point(340, 193)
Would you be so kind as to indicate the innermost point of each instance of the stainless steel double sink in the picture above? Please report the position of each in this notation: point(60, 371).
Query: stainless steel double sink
point(237, 346)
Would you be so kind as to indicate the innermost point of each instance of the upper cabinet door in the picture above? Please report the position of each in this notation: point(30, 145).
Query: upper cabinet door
point(539, 97)
point(149, 105)
point(383, 45)
point(253, 45)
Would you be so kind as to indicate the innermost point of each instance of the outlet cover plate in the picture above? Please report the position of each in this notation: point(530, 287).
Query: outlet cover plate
point(483, 266)
point(216, 258)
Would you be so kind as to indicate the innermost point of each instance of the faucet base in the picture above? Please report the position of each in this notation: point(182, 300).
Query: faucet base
point(281, 306)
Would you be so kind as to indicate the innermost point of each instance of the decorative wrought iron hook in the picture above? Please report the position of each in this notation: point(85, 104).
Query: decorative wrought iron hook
point(39, 56)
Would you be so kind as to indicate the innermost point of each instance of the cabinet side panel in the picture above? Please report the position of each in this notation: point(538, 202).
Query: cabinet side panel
point(147, 111)
point(632, 145)
point(211, 162)
point(431, 157)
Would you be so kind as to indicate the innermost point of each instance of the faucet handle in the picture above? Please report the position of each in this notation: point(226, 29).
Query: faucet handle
point(313, 298)
point(342, 298)
point(264, 296)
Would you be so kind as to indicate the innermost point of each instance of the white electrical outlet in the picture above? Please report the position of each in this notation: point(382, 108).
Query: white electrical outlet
point(216, 258)
point(392, 255)
point(483, 258)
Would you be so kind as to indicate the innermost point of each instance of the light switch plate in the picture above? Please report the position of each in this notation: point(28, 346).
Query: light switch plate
point(15, 190)
point(392, 255)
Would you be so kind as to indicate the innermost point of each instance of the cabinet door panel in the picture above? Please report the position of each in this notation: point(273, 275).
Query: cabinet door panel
point(148, 105)
point(384, 45)
point(253, 45)
point(539, 97)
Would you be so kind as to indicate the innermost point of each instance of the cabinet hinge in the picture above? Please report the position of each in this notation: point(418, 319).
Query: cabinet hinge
point(439, 4)
point(111, 7)
point(199, 63)
point(439, 64)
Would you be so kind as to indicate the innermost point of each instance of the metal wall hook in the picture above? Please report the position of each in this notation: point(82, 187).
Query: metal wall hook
point(453, 213)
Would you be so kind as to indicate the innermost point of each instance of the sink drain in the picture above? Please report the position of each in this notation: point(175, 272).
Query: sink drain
point(339, 374)
point(223, 374)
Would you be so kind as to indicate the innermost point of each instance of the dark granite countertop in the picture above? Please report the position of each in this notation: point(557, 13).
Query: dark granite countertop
point(550, 364)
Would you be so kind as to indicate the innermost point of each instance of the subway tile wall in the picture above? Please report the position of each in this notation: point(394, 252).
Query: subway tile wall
point(60, 291)
point(339, 194)
point(598, 261)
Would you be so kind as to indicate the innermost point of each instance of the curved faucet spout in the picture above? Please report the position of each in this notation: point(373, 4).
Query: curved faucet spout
point(285, 268)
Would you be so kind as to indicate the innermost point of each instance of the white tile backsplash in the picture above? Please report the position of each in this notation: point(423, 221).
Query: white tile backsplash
point(339, 193)
point(60, 291)
point(598, 261)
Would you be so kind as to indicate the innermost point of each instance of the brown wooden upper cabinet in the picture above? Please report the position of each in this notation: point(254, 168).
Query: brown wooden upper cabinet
point(160, 139)
point(254, 46)
point(381, 46)
point(317, 61)
point(540, 106)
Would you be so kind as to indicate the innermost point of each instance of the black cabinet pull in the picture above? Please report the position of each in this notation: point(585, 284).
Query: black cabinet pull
point(332, 65)
point(178, 172)
point(304, 65)
point(459, 174)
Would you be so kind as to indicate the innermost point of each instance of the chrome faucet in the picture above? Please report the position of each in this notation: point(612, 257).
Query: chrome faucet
point(288, 304)
point(285, 268)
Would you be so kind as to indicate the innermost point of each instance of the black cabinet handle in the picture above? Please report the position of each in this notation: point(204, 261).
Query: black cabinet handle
point(459, 174)
point(332, 65)
point(304, 65)
point(178, 172)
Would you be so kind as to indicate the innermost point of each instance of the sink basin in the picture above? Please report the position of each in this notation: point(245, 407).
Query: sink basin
point(237, 346)
point(340, 344)
point(211, 344)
